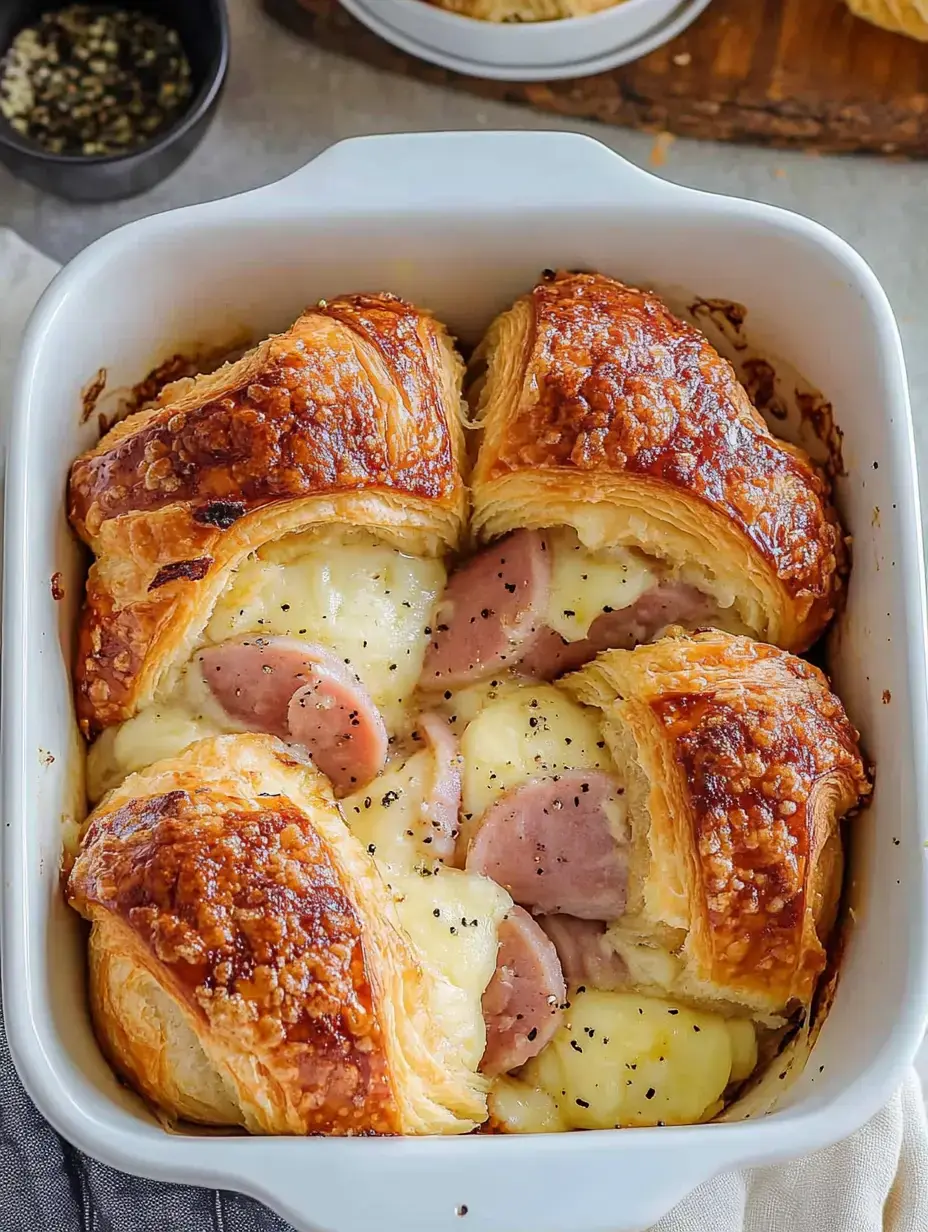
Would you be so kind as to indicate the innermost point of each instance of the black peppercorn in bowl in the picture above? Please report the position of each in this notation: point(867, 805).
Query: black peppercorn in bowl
point(103, 101)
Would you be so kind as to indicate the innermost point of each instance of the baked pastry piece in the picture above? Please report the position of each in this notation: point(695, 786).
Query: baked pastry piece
point(738, 763)
point(627, 484)
point(905, 16)
point(524, 10)
point(247, 963)
point(350, 420)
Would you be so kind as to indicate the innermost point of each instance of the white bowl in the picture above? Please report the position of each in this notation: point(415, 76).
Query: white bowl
point(463, 223)
point(608, 56)
point(528, 46)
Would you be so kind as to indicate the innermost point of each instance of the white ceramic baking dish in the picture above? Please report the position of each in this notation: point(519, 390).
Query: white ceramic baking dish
point(464, 223)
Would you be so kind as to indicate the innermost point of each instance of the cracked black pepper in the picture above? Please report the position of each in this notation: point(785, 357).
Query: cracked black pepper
point(94, 81)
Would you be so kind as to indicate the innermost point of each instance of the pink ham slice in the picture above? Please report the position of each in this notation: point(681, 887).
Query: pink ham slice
point(443, 800)
point(551, 845)
point(587, 959)
point(524, 1002)
point(666, 604)
point(305, 694)
point(490, 612)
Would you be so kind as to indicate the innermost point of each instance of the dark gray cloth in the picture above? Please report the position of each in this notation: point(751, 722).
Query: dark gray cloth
point(48, 1186)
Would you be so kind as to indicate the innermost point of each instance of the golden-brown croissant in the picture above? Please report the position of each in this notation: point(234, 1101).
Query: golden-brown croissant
point(247, 963)
point(350, 420)
point(738, 763)
point(628, 484)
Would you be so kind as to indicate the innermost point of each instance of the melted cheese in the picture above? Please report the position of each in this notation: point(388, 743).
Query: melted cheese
point(389, 816)
point(368, 602)
point(531, 731)
point(624, 1060)
point(356, 595)
point(453, 918)
point(162, 730)
point(517, 1108)
point(462, 706)
point(585, 583)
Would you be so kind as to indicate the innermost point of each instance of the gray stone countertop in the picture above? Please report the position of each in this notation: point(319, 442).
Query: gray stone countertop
point(286, 100)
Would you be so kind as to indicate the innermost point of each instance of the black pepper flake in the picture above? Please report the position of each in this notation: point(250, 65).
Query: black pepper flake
point(650, 1093)
point(673, 1011)
point(575, 1046)
point(533, 1033)
point(92, 80)
point(389, 798)
point(582, 1103)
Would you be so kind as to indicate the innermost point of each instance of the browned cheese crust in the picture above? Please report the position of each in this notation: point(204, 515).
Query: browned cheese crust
point(350, 417)
point(604, 384)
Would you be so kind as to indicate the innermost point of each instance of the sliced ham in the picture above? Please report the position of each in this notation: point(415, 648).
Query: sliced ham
point(524, 1002)
point(553, 845)
point(587, 959)
point(443, 800)
point(666, 604)
point(305, 694)
point(490, 612)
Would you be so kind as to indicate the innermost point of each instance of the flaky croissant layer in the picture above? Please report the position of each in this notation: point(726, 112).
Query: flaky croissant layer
point(248, 965)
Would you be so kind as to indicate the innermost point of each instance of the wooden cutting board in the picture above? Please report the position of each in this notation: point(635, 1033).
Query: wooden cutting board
point(800, 73)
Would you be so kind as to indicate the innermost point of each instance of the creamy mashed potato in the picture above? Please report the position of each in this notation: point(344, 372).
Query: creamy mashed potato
point(623, 1060)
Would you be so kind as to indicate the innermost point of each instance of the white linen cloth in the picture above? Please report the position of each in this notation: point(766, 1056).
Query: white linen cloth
point(876, 1181)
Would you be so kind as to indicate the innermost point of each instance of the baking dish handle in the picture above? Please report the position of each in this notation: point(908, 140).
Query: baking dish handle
point(491, 1185)
point(429, 170)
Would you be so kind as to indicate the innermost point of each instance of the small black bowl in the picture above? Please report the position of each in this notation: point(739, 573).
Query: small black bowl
point(203, 26)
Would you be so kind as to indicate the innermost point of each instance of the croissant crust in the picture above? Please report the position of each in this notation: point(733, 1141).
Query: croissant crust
point(744, 762)
point(596, 392)
point(353, 416)
point(225, 885)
